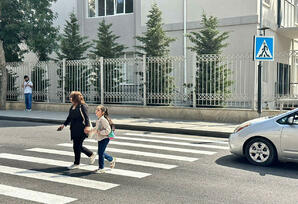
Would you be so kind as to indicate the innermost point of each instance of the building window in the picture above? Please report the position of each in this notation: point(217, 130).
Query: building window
point(283, 79)
point(101, 7)
point(129, 6)
point(120, 6)
point(91, 8)
point(267, 2)
point(109, 7)
point(296, 11)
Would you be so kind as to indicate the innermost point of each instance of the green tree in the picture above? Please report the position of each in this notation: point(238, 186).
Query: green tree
point(41, 35)
point(73, 47)
point(106, 46)
point(3, 77)
point(11, 35)
point(155, 43)
point(212, 76)
point(42, 40)
point(12, 29)
point(29, 22)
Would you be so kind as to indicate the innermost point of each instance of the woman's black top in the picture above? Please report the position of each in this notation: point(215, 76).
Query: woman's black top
point(76, 121)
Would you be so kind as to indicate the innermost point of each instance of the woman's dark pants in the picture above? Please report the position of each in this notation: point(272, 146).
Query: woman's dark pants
point(78, 148)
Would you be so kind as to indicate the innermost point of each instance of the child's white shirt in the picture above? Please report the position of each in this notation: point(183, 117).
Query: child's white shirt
point(102, 128)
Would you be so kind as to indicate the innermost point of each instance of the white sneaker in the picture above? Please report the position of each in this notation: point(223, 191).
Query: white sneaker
point(92, 158)
point(113, 163)
point(74, 166)
point(100, 171)
point(29, 110)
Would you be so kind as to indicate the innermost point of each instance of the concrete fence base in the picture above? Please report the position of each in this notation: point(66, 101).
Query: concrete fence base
point(223, 115)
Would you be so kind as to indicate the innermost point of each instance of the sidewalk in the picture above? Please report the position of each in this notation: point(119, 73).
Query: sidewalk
point(122, 122)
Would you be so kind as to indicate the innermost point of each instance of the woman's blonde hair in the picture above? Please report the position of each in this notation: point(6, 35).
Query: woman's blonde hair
point(77, 97)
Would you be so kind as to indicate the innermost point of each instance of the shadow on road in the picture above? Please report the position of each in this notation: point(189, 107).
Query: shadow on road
point(6, 123)
point(63, 171)
point(288, 170)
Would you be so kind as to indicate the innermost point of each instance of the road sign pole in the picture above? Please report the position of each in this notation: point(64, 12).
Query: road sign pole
point(260, 66)
point(260, 88)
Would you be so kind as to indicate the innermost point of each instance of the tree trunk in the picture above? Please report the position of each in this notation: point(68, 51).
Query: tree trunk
point(3, 75)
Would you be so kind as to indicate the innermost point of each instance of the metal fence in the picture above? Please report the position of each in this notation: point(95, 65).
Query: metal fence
point(209, 81)
point(225, 81)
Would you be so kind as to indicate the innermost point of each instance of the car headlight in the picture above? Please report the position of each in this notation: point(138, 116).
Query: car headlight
point(241, 127)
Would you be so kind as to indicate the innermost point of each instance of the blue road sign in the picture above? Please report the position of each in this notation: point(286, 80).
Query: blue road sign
point(264, 48)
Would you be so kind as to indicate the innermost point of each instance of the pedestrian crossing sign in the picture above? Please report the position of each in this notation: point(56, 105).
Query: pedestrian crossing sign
point(264, 48)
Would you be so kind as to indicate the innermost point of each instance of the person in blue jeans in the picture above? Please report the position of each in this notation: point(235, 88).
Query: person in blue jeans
point(28, 85)
point(102, 130)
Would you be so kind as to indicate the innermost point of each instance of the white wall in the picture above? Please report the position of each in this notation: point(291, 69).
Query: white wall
point(173, 9)
point(240, 39)
point(270, 14)
point(63, 8)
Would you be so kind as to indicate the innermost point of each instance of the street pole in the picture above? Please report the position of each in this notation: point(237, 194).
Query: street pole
point(260, 89)
point(184, 43)
point(260, 66)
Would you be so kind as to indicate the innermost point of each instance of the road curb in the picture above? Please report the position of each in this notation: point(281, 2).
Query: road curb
point(130, 127)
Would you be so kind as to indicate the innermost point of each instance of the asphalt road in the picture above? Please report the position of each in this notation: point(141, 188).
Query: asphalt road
point(151, 168)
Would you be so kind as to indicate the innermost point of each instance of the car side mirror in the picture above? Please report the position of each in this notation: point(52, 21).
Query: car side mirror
point(291, 120)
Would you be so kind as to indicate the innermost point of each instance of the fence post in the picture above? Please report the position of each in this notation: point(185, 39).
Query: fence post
point(194, 81)
point(144, 81)
point(101, 82)
point(47, 81)
point(63, 80)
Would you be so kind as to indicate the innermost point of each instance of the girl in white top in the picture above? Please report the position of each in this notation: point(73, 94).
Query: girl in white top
point(101, 131)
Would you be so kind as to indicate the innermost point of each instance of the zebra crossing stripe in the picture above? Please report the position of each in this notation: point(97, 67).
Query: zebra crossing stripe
point(166, 142)
point(119, 160)
point(177, 138)
point(34, 196)
point(128, 144)
point(139, 153)
point(99, 185)
point(128, 173)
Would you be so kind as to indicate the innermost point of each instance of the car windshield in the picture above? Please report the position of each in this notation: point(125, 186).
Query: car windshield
point(284, 120)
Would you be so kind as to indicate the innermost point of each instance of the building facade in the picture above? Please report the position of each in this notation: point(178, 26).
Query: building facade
point(241, 18)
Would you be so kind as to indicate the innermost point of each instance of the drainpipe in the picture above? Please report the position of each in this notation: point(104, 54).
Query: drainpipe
point(184, 43)
point(293, 68)
point(261, 15)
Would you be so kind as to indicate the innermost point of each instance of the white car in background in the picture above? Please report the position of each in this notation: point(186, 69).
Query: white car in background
point(265, 140)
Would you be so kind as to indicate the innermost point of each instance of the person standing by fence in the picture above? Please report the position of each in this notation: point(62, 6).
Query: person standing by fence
point(28, 85)
point(79, 127)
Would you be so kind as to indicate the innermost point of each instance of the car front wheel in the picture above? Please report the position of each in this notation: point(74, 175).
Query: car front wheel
point(260, 152)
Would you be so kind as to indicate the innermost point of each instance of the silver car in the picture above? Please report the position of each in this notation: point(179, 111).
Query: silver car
point(265, 140)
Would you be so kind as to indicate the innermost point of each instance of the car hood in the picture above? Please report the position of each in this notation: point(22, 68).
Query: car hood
point(257, 120)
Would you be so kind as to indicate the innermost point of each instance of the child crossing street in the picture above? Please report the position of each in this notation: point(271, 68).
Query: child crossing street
point(103, 129)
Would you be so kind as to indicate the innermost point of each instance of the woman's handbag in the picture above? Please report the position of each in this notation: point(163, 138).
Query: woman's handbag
point(84, 121)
